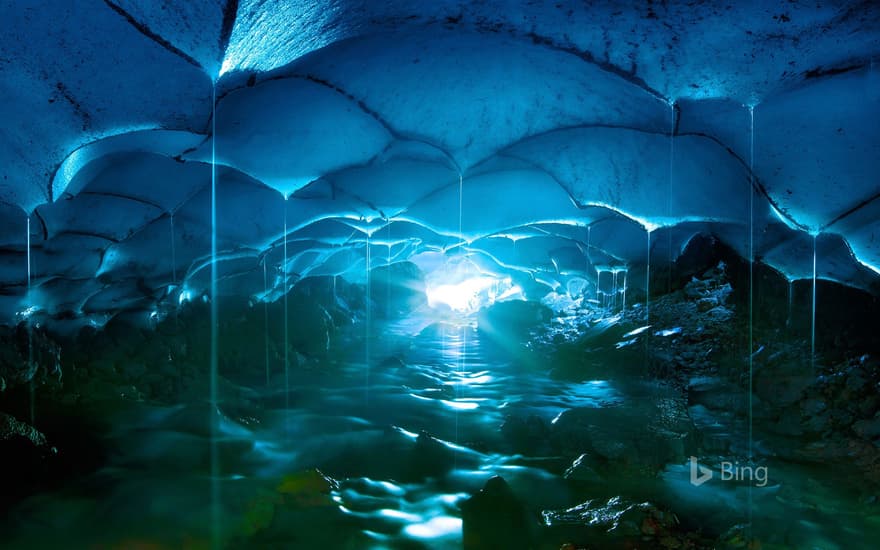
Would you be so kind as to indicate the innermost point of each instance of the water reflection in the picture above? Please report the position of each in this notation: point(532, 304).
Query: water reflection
point(430, 436)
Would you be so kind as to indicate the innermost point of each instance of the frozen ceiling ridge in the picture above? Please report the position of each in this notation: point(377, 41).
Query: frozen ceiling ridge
point(573, 137)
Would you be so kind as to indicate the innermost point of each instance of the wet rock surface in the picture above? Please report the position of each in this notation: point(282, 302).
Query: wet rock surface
point(495, 518)
point(618, 523)
point(27, 458)
point(27, 354)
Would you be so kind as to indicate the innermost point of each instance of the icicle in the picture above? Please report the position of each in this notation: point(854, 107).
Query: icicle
point(648, 283)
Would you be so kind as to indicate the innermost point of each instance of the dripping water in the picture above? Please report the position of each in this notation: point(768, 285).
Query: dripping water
point(790, 300)
point(669, 193)
point(623, 306)
point(464, 326)
point(173, 254)
point(286, 316)
point(460, 199)
point(751, 267)
point(648, 283)
point(368, 309)
point(813, 311)
point(588, 262)
point(388, 278)
point(266, 314)
point(613, 289)
point(214, 417)
point(30, 331)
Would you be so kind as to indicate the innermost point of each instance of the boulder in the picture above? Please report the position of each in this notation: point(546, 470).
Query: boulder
point(495, 519)
point(615, 523)
point(26, 459)
point(430, 458)
point(526, 435)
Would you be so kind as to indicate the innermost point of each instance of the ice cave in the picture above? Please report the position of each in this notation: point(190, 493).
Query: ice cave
point(507, 274)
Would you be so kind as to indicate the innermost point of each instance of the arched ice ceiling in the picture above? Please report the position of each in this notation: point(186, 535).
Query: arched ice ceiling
point(548, 139)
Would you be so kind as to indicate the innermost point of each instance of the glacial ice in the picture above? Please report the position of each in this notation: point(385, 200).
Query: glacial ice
point(367, 116)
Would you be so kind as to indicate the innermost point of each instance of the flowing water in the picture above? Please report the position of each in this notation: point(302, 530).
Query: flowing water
point(396, 489)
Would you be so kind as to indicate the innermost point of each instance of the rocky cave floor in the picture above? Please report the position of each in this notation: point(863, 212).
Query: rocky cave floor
point(538, 429)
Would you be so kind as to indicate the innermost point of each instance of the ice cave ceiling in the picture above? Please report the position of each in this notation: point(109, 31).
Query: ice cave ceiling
point(547, 139)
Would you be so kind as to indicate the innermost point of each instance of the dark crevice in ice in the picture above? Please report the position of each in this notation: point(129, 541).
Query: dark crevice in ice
point(77, 107)
point(820, 72)
point(122, 196)
point(395, 133)
point(79, 233)
point(45, 230)
point(145, 30)
point(585, 55)
point(759, 187)
point(230, 12)
point(852, 210)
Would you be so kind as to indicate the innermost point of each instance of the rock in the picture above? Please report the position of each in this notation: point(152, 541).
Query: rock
point(393, 362)
point(27, 354)
point(430, 458)
point(736, 538)
point(580, 470)
point(26, 459)
point(868, 429)
point(705, 304)
point(789, 423)
point(615, 520)
point(12, 428)
point(527, 435)
point(720, 314)
point(495, 519)
point(855, 383)
point(715, 393)
point(817, 424)
point(133, 370)
point(781, 389)
point(639, 439)
point(309, 488)
point(868, 405)
point(813, 406)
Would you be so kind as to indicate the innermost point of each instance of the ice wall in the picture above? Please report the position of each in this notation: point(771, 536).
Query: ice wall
point(548, 141)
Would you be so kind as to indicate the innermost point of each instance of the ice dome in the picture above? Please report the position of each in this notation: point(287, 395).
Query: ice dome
point(312, 169)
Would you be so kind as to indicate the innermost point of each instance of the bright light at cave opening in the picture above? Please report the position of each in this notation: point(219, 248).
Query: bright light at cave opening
point(469, 295)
